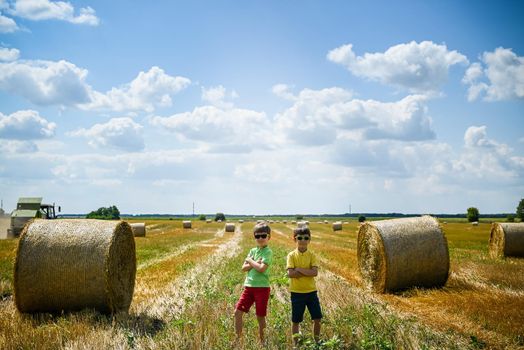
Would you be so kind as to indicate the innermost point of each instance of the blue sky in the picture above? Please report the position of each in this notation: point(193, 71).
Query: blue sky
point(263, 107)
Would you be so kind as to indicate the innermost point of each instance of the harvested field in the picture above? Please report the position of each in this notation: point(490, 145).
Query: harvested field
point(184, 274)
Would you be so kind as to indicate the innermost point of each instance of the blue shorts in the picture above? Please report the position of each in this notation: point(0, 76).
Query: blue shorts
point(299, 301)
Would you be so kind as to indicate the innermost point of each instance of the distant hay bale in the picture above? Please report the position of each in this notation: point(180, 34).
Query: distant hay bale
point(230, 227)
point(325, 221)
point(240, 221)
point(506, 239)
point(475, 223)
point(208, 221)
point(293, 222)
point(337, 226)
point(187, 224)
point(401, 253)
point(302, 224)
point(139, 229)
point(284, 221)
point(75, 264)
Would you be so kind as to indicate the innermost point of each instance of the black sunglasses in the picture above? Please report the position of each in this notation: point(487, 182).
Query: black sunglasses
point(264, 236)
point(305, 238)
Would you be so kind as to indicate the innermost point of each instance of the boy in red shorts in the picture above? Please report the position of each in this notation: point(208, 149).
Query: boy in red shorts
point(256, 285)
point(302, 268)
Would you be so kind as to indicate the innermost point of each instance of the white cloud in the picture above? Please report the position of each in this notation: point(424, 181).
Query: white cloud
point(283, 91)
point(7, 25)
point(217, 96)
point(502, 77)
point(63, 83)
point(9, 54)
point(417, 67)
point(487, 159)
point(17, 147)
point(118, 133)
point(45, 82)
point(230, 129)
point(147, 91)
point(319, 117)
point(38, 10)
point(25, 125)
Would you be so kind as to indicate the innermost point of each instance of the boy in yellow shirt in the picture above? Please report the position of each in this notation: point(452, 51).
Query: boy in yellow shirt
point(302, 268)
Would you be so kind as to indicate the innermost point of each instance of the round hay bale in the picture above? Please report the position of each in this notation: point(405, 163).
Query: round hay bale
point(230, 227)
point(139, 229)
point(506, 239)
point(208, 221)
point(75, 264)
point(302, 224)
point(187, 223)
point(241, 221)
point(337, 226)
point(401, 253)
point(475, 223)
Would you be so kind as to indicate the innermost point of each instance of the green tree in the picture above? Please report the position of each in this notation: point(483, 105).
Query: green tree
point(361, 218)
point(202, 217)
point(103, 213)
point(220, 216)
point(473, 214)
point(520, 210)
point(510, 218)
point(300, 217)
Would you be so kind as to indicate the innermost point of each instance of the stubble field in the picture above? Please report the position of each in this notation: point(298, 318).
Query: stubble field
point(188, 281)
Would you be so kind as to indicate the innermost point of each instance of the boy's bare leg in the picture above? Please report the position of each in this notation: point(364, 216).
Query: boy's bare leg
point(261, 326)
point(238, 322)
point(295, 329)
point(316, 330)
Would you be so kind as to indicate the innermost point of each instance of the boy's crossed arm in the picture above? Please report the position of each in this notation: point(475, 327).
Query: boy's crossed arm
point(301, 272)
point(249, 264)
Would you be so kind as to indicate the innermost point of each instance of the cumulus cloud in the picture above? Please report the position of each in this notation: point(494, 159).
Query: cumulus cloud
point(417, 67)
point(283, 91)
point(319, 117)
point(9, 54)
point(485, 158)
point(45, 82)
point(117, 133)
point(147, 91)
point(38, 10)
point(217, 96)
point(7, 25)
point(500, 76)
point(235, 128)
point(25, 125)
point(63, 83)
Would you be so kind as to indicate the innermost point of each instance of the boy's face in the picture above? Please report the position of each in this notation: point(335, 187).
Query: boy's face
point(302, 240)
point(262, 238)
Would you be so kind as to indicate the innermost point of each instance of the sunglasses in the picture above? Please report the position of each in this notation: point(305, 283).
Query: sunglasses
point(264, 236)
point(305, 238)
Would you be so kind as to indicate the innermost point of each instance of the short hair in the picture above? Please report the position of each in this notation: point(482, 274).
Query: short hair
point(301, 231)
point(262, 228)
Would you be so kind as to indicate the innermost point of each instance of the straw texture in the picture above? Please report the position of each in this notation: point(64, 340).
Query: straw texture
point(75, 264)
point(230, 227)
point(402, 253)
point(186, 224)
point(337, 226)
point(506, 239)
point(139, 229)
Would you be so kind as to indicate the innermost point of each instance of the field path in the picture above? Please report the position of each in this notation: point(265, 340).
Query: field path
point(180, 250)
point(170, 303)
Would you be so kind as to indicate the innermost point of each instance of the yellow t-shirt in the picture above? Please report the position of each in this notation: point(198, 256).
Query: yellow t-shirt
point(306, 260)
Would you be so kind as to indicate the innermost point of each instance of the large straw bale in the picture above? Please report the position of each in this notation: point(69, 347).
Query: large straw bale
point(230, 227)
point(187, 223)
point(402, 253)
point(208, 221)
point(337, 226)
point(506, 239)
point(75, 264)
point(139, 229)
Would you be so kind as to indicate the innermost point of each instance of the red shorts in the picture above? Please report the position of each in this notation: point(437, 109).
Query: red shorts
point(257, 295)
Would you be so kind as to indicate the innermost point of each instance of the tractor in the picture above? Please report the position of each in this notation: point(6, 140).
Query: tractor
point(29, 208)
